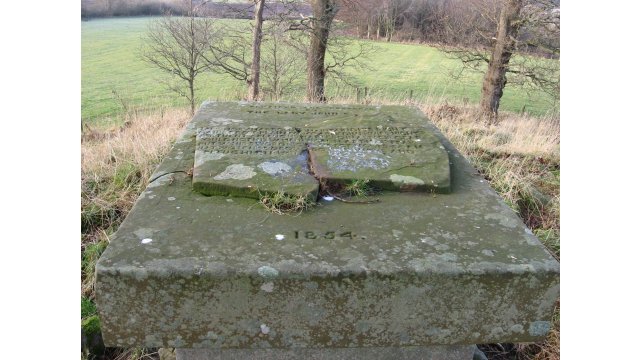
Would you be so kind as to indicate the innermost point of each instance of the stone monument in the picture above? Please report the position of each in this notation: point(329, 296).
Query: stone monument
point(435, 264)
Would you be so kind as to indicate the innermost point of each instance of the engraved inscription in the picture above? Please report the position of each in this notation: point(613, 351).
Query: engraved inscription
point(391, 139)
point(296, 110)
point(248, 141)
point(328, 235)
point(274, 141)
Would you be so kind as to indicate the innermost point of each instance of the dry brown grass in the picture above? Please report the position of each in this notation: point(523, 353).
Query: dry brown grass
point(142, 141)
point(516, 134)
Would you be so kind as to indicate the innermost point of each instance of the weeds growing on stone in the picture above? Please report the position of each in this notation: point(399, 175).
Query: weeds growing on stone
point(282, 203)
point(358, 188)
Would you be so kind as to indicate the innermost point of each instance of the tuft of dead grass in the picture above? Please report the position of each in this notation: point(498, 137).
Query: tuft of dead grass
point(142, 141)
point(514, 134)
point(281, 203)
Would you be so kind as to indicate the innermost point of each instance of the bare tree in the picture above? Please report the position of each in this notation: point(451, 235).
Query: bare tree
point(283, 62)
point(319, 25)
point(254, 79)
point(232, 54)
point(176, 45)
point(236, 54)
point(323, 41)
point(491, 31)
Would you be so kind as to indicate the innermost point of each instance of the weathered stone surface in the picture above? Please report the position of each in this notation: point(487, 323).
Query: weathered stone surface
point(453, 352)
point(256, 150)
point(416, 269)
point(250, 161)
point(391, 157)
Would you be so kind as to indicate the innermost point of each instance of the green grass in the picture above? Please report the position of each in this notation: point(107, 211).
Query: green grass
point(114, 76)
point(111, 62)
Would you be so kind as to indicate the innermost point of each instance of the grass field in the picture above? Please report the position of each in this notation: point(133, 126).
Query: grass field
point(114, 77)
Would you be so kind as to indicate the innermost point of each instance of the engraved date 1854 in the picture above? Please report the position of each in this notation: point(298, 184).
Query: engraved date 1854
point(324, 235)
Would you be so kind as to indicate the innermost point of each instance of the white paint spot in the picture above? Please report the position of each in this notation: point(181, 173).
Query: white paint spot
point(236, 172)
point(327, 198)
point(146, 241)
point(332, 132)
point(152, 196)
point(405, 180)
point(280, 237)
point(274, 167)
point(268, 287)
point(264, 329)
point(417, 140)
point(441, 147)
point(428, 240)
point(177, 207)
point(171, 198)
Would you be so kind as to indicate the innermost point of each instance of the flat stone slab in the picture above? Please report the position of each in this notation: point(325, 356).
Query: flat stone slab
point(253, 150)
point(454, 352)
point(187, 270)
point(252, 162)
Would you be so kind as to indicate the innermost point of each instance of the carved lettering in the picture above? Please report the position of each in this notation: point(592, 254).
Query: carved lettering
point(274, 141)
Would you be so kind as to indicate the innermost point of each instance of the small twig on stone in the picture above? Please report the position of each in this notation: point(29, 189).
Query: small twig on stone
point(170, 172)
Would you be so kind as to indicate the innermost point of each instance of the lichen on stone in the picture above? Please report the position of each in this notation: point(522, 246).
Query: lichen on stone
point(236, 172)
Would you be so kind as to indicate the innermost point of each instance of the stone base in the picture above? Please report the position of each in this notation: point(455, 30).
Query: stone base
point(453, 352)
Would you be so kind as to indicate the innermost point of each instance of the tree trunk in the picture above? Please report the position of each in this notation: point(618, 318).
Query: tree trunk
point(254, 80)
point(495, 79)
point(323, 13)
point(192, 98)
